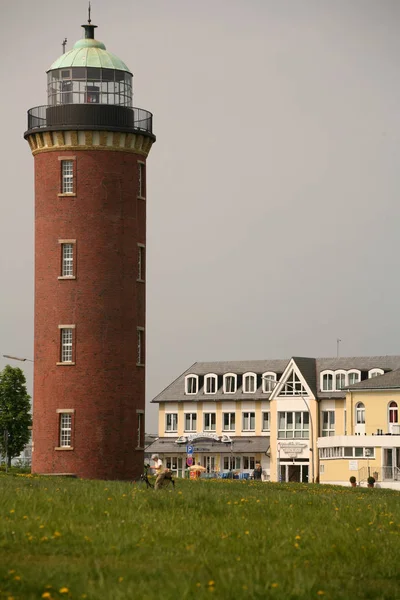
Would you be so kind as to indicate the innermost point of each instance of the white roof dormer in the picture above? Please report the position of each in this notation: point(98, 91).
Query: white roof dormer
point(249, 385)
point(191, 384)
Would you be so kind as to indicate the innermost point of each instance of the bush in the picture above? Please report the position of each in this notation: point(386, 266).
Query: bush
point(371, 480)
point(353, 479)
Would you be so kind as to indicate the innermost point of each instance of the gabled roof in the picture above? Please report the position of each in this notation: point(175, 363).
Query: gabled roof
point(310, 368)
point(388, 381)
point(175, 392)
point(307, 366)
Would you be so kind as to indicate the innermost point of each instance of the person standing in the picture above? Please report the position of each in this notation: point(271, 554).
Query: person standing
point(157, 467)
point(257, 473)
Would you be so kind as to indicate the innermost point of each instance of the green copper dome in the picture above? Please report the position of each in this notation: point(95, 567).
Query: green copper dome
point(89, 53)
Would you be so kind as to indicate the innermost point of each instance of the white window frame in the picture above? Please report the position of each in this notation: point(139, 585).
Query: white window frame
point(329, 430)
point(188, 385)
point(68, 252)
point(67, 343)
point(232, 463)
point(141, 263)
point(65, 429)
point(352, 452)
point(231, 425)
point(249, 463)
point(249, 416)
point(266, 419)
point(331, 374)
point(342, 373)
point(67, 176)
point(140, 358)
point(171, 422)
point(268, 382)
point(247, 378)
point(353, 372)
point(190, 418)
point(209, 378)
point(293, 386)
point(360, 413)
point(234, 376)
point(394, 410)
point(212, 418)
point(288, 433)
point(375, 373)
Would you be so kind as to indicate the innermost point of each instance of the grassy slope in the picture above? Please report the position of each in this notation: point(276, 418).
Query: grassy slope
point(225, 539)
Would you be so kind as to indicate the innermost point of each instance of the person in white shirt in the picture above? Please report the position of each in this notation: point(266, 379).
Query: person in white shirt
point(157, 464)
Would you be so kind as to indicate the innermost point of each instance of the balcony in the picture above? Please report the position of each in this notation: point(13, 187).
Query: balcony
point(102, 117)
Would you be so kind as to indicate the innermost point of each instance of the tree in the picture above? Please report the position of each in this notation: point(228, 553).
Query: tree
point(15, 416)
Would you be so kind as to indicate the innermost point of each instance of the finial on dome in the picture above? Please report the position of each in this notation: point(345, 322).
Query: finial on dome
point(89, 28)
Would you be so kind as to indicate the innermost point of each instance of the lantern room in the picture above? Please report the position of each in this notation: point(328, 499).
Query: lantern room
point(89, 74)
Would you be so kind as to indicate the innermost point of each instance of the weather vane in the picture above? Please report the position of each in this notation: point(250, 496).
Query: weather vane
point(89, 9)
point(64, 44)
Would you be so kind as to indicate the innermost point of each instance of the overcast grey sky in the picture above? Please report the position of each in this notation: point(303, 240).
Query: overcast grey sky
point(273, 186)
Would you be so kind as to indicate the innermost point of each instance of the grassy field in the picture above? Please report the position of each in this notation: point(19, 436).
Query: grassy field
point(65, 538)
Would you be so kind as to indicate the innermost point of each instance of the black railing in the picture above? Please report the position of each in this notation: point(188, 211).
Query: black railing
point(86, 116)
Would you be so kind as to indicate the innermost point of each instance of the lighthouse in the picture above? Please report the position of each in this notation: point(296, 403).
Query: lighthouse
point(90, 147)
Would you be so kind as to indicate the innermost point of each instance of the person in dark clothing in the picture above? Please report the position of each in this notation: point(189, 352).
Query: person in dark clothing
point(257, 472)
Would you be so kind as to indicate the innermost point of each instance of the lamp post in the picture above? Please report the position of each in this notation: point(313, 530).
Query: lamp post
point(367, 454)
point(311, 449)
point(17, 358)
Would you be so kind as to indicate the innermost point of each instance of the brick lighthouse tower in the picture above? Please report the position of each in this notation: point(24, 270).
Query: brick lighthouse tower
point(90, 148)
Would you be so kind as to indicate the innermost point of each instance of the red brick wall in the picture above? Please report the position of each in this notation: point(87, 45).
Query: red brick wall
point(105, 387)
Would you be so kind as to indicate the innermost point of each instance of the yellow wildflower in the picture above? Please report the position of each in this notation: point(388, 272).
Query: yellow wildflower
point(46, 595)
point(63, 590)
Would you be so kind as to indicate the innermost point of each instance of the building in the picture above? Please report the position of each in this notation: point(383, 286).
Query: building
point(90, 148)
point(303, 419)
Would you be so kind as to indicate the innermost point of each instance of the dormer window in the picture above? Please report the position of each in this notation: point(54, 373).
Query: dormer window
point(249, 383)
point(340, 380)
point(375, 373)
point(210, 384)
point(354, 376)
point(327, 381)
point(268, 382)
point(230, 383)
point(191, 384)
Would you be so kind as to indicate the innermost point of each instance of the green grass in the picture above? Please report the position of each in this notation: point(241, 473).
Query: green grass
point(223, 539)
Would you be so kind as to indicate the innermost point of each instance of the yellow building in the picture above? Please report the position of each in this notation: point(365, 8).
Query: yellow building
point(303, 419)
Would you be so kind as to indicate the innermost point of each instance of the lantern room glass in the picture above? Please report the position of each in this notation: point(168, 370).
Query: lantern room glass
point(89, 85)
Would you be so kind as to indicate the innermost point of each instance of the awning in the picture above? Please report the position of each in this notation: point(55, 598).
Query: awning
point(241, 445)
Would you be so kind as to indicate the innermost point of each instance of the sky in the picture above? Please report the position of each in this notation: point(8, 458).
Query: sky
point(273, 186)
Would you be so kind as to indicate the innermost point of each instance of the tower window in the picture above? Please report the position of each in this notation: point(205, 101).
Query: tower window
point(141, 262)
point(140, 429)
point(65, 430)
point(142, 180)
point(67, 259)
point(67, 176)
point(140, 347)
point(66, 343)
